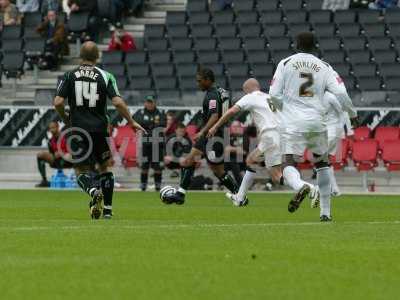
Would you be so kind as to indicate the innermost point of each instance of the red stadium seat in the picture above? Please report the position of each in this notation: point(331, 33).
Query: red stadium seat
point(191, 130)
point(126, 137)
point(362, 133)
point(383, 134)
point(306, 163)
point(365, 154)
point(339, 162)
point(391, 155)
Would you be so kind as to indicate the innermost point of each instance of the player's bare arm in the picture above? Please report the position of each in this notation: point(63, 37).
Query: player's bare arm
point(60, 108)
point(226, 117)
point(121, 107)
point(213, 119)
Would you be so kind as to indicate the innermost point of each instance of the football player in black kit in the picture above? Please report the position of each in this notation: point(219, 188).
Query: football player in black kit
point(216, 102)
point(87, 89)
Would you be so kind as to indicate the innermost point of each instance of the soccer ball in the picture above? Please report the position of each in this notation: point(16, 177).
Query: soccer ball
point(165, 191)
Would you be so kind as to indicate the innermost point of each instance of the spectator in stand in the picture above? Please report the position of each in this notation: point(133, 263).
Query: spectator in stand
point(336, 4)
point(135, 7)
point(235, 153)
point(56, 40)
point(55, 156)
point(8, 14)
point(28, 6)
point(177, 145)
point(89, 6)
point(224, 4)
point(384, 4)
point(121, 40)
point(47, 5)
point(171, 125)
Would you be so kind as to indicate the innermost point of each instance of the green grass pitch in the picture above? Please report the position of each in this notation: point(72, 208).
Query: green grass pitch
point(206, 249)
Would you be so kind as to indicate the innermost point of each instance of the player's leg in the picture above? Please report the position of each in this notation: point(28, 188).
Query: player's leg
point(43, 158)
point(324, 184)
point(157, 174)
point(225, 179)
point(145, 165)
point(333, 142)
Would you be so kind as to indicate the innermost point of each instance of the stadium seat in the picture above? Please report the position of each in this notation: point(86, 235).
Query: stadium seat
point(223, 17)
point(282, 43)
point(180, 44)
point(226, 30)
point(257, 56)
point(250, 31)
point(349, 82)
point(278, 55)
point(295, 16)
point(137, 57)
point(178, 31)
point(383, 134)
point(154, 44)
point(271, 17)
point(186, 69)
point(392, 83)
point(349, 30)
point(334, 56)
point(183, 57)
point(385, 56)
point(243, 5)
point(365, 154)
point(187, 83)
point(196, 5)
point(374, 30)
point(366, 69)
point(254, 44)
point(329, 43)
point(380, 43)
point(162, 70)
point(390, 69)
point(345, 16)
point(391, 155)
point(314, 4)
point(199, 18)
point(11, 32)
point(392, 16)
point(359, 56)
point(296, 28)
point(343, 69)
point(32, 19)
point(290, 4)
point(205, 43)
point(159, 57)
point(369, 16)
point(267, 5)
point(369, 83)
point(141, 83)
point(13, 45)
point(206, 57)
point(236, 82)
point(229, 44)
point(13, 63)
point(115, 69)
point(31, 32)
point(78, 22)
point(237, 69)
point(233, 56)
point(138, 70)
point(320, 16)
point(112, 57)
point(274, 30)
point(324, 30)
point(247, 17)
point(202, 31)
point(362, 133)
point(154, 30)
point(34, 47)
point(175, 18)
point(263, 69)
point(354, 43)
point(218, 68)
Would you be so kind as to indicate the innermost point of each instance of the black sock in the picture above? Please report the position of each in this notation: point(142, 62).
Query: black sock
point(86, 183)
point(282, 181)
point(107, 187)
point(144, 177)
point(229, 183)
point(186, 177)
point(42, 168)
point(157, 179)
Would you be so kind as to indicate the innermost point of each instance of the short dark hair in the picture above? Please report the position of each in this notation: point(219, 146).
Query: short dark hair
point(89, 52)
point(206, 74)
point(306, 41)
point(180, 125)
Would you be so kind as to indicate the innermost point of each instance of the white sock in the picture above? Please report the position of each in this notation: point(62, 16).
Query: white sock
point(324, 184)
point(292, 178)
point(334, 186)
point(247, 182)
point(181, 190)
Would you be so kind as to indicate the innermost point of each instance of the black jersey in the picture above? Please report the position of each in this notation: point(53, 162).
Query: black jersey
point(87, 88)
point(216, 100)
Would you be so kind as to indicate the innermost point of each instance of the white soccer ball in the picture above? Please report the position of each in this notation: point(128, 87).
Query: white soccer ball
point(165, 191)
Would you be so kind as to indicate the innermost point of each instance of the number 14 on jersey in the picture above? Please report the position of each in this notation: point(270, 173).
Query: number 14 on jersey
point(86, 90)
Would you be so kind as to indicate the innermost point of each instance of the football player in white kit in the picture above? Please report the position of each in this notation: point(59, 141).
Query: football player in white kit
point(336, 120)
point(257, 103)
point(298, 88)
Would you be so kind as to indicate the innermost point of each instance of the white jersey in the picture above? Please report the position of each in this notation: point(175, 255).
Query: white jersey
point(257, 104)
point(299, 85)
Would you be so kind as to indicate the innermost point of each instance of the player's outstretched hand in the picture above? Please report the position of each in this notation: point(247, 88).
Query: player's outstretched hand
point(211, 132)
point(137, 126)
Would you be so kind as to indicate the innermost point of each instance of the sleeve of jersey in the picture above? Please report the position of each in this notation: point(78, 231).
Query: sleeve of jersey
point(243, 103)
point(112, 88)
point(276, 87)
point(335, 85)
point(213, 105)
point(63, 86)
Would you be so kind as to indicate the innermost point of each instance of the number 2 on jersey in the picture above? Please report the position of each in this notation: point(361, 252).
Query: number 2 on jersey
point(304, 88)
point(86, 90)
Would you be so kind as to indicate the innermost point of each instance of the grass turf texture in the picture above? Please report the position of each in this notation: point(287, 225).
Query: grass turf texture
point(206, 249)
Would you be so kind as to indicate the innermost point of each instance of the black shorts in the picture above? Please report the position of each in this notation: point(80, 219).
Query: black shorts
point(173, 165)
point(213, 149)
point(150, 159)
point(60, 163)
point(89, 148)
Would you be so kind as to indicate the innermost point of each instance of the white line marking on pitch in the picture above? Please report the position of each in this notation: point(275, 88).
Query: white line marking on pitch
point(176, 226)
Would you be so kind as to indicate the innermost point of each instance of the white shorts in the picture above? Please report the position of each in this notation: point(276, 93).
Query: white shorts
point(296, 143)
point(269, 144)
point(335, 134)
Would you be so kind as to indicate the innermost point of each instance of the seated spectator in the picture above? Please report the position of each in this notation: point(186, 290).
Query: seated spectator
point(383, 4)
point(89, 6)
point(54, 156)
point(177, 146)
point(121, 40)
point(47, 5)
point(28, 6)
point(171, 125)
point(8, 14)
point(56, 41)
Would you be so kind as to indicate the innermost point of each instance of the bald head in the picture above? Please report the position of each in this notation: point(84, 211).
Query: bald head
point(89, 52)
point(251, 85)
